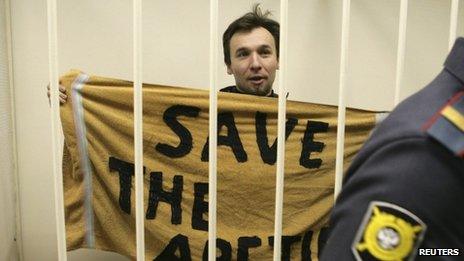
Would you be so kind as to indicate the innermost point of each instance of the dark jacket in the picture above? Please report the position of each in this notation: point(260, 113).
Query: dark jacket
point(233, 89)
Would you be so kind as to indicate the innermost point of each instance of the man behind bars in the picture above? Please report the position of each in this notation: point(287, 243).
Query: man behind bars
point(251, 54)
point(403, 194)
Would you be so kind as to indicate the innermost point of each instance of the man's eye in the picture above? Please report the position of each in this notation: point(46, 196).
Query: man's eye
point(242, 54)
point(265, 52)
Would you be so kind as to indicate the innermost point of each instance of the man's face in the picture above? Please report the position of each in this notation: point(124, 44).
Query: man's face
point(253, 61)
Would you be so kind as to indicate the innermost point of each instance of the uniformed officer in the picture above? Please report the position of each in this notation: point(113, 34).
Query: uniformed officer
point(403, 196)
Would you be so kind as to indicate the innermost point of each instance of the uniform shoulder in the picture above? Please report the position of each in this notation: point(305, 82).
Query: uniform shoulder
point(446, 126)
point(407, 120)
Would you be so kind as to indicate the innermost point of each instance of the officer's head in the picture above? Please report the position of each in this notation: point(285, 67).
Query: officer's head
point(251, 51)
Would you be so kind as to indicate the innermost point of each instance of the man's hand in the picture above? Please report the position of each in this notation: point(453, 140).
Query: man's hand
point(62, 94)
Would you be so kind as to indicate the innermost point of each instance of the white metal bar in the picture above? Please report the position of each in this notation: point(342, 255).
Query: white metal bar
point(18, 225)
point(212, 187)
point(55, 116)
point(280, 169)
point(342, 98)
point(453, 22)
point(403, 20)
point(138, 129)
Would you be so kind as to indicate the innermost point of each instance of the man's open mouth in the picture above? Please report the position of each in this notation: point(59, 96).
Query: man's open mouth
point(257, 79)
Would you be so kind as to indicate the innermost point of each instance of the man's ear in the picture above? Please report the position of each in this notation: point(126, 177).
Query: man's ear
point(277, 64)
point(229, 70)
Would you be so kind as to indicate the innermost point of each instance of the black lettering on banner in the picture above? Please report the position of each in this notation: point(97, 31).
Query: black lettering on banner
point(157, 194)
point(126, 171)
point(306, 246)
point(286, 248)
point(309, 145)
point(224, 246)
point(232, 139)
point(322, 240)
point(269, 154)
point(170, 118)
point(179, 242)
point(245, 243)
point(200, 206)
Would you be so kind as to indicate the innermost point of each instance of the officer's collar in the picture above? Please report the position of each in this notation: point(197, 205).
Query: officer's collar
point(455, 61)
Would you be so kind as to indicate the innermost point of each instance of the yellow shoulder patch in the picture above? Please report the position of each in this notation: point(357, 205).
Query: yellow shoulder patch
point(454, 116)
point(388, 232)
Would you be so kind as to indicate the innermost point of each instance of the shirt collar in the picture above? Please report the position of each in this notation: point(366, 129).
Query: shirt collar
point(271, 94)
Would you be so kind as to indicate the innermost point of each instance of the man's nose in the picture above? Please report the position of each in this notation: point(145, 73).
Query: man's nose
point(255, 62)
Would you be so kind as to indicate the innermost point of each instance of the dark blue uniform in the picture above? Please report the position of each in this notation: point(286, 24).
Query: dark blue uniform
point(403, 195)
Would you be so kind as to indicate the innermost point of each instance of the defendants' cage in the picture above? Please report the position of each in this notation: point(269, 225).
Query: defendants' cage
point(137, 66)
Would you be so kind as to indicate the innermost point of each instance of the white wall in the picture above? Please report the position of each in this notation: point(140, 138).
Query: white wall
point(8, 250)
point(95, 36)
point(33, 141)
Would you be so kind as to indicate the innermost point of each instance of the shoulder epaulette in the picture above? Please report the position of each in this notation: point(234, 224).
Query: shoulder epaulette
point(447, 125)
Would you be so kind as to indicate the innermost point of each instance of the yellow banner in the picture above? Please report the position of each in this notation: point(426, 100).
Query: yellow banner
point(99, 183)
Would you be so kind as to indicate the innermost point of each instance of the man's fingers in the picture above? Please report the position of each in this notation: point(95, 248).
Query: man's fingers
point(62, 89)
point(61, 94)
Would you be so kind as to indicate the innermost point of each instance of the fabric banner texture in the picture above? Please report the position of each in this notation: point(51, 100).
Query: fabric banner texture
point(98, 170)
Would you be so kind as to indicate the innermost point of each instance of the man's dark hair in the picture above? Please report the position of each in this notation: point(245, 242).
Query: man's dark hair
point(248, 22)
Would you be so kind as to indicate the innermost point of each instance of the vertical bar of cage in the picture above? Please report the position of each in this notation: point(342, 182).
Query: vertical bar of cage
point(55, 116)
point(403, 20)
point(342, 98)
point(453, 22)
point(212, 176)
point(138, 128)
point(18, 226)
point(280, 169)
